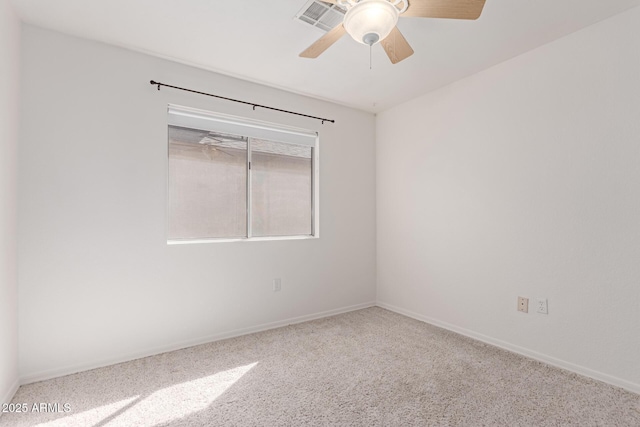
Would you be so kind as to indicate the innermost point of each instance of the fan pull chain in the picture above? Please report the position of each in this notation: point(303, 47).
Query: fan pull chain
point(370, 48)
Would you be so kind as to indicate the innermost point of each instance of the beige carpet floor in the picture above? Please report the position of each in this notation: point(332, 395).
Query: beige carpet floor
point(365, 368)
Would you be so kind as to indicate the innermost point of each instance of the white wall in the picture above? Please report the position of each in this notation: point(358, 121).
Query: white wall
point(9, 126)
point(98, 283)
point(524, 180)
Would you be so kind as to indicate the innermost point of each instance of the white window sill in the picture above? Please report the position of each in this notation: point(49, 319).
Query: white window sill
point(252, 239)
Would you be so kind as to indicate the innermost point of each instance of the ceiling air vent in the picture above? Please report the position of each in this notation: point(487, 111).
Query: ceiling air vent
point(321, 15)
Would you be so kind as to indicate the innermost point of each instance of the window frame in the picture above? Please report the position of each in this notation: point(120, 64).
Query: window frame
point(250, 123)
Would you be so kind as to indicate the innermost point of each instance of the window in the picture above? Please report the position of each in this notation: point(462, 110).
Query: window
point(231, 178)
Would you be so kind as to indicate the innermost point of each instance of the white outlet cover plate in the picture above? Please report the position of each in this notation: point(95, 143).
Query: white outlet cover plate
point(541, 306)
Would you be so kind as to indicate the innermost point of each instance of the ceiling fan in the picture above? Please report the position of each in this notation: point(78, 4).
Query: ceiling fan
point(374, 21)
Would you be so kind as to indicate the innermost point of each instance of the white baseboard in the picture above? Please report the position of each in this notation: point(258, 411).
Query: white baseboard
point(8, 395)
point(600, 376)
point(73, 369)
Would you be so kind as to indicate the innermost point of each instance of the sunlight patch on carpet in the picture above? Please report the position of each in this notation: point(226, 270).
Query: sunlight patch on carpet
point(163, 406)
point(180, 400)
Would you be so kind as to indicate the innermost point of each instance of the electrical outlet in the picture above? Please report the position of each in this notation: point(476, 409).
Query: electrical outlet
point(523, 304)
point(277, 285)
point(541, 306)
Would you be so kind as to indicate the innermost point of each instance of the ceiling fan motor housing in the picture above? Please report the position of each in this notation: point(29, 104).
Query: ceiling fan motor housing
point(370, 21)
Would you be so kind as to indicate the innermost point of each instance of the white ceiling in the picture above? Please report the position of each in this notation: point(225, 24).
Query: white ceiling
point(259, 40)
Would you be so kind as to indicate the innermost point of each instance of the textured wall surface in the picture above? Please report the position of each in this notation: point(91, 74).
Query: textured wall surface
point(523, 180)
point(9, 126)
point(98, 282)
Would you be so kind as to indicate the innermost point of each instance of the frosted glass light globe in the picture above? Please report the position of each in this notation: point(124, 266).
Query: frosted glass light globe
point(371, 21)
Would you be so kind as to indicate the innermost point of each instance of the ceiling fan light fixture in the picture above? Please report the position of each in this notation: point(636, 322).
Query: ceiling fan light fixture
point(371, 21)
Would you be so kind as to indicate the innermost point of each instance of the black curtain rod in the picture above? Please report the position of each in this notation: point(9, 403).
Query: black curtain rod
point(241, 102)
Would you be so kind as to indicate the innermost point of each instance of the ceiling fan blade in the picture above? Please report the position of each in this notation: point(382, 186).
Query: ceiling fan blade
point(324, 42)
point(453, 9)
point(396, 46)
